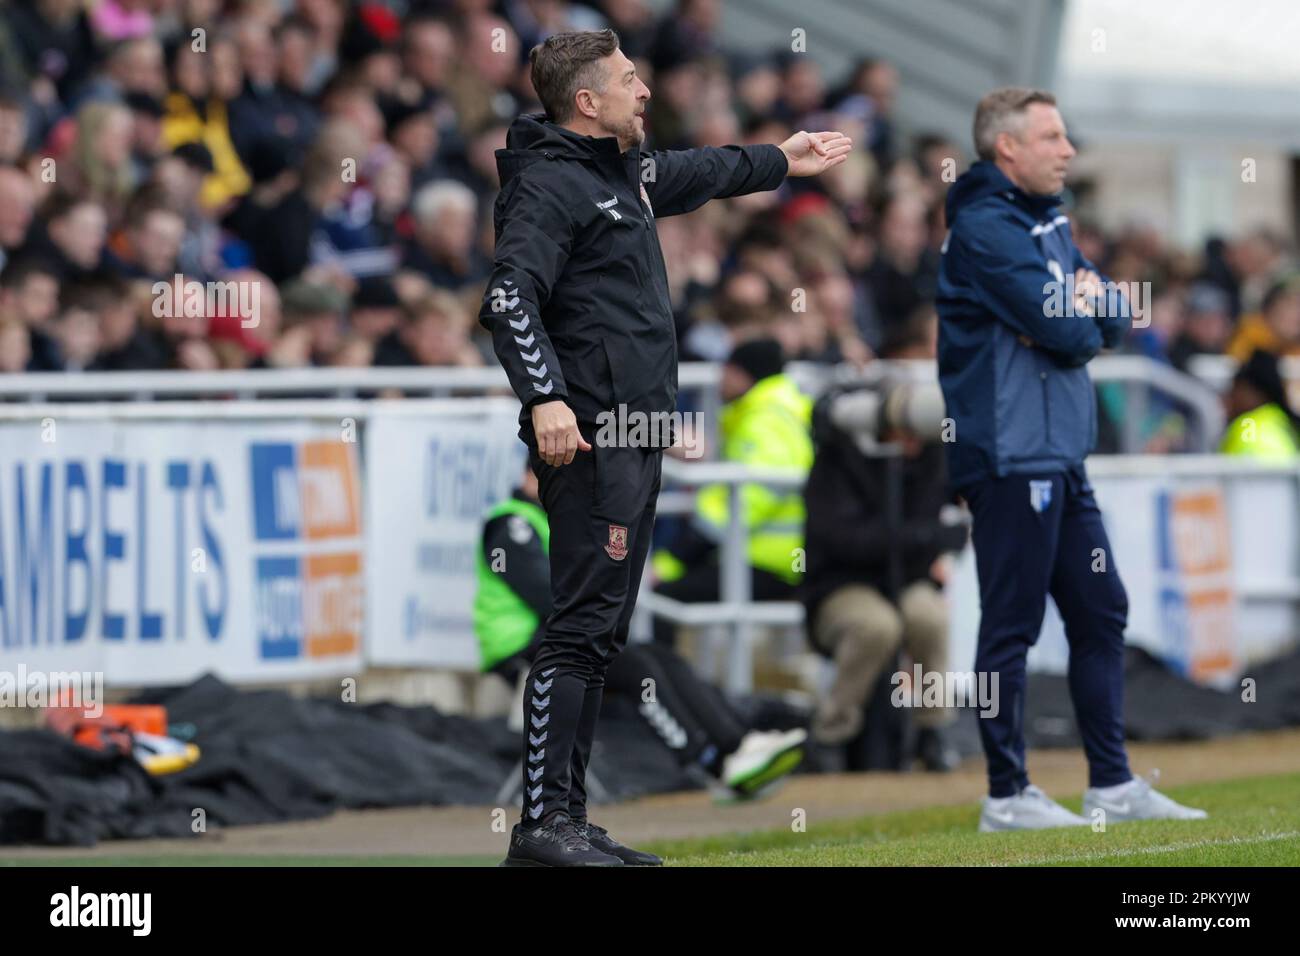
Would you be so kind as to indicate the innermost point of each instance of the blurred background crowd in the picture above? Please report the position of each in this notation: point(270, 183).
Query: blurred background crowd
point(340, 156)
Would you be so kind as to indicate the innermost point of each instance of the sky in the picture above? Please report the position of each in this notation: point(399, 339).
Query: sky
point(1233, 42)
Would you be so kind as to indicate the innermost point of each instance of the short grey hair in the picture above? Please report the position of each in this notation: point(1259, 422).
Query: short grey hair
point(1003, 111)
point(437, 197)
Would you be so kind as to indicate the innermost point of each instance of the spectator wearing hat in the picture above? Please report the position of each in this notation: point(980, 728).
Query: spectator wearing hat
point(312, 326)
point(1263, 424)
point(376, 308)
point(1206, 325)
point(146, 133)
point(766, 423)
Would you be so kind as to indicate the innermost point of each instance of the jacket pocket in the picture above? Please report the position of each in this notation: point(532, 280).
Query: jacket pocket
point(614, 373)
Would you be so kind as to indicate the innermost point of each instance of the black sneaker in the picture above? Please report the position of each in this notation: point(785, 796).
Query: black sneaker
point(600, 839)
point(558, 843)
point(936, 751)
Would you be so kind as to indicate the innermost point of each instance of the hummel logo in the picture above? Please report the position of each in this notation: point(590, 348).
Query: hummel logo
point(540, 687)
point(608, 206)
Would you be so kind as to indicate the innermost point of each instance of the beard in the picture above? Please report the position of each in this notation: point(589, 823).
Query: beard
point(628, 131)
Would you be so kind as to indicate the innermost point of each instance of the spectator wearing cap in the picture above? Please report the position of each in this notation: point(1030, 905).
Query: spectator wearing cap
point(312, 326)
point(376, 308)
point(146, 133)
point(414, 135)
point(1263, 424)
point(1206, 325)
point(1275, 327)
point(765, 422)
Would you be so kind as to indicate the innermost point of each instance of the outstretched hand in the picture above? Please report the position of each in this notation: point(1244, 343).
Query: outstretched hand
point(812, 153)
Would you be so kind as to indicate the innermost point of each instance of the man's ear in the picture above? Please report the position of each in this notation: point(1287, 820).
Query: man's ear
point(1002, 145)
point(586, 103)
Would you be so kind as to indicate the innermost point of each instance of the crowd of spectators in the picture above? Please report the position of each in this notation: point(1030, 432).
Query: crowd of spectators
point(340, 157)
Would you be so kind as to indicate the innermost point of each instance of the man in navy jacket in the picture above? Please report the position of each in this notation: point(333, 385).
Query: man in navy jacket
point(1021, 314)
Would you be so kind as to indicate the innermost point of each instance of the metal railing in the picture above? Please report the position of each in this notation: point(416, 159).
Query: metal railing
point(736, 612)
point(698, 380)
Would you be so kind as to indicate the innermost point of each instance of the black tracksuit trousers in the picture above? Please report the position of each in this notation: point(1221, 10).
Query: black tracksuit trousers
point(601, 509)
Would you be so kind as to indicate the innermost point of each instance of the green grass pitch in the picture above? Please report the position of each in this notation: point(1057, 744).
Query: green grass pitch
point(1253, 822)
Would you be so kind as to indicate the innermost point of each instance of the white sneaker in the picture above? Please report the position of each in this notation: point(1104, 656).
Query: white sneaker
point(763, 756)
point(1030, 809)
point(1138, 800)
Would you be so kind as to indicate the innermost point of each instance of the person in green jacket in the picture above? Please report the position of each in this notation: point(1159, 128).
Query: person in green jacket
point(765, 422)
point(692, 719)
point(1262, 423)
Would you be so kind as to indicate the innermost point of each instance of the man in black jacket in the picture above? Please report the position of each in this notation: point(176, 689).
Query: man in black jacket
point(579, 312)
point(859, 610)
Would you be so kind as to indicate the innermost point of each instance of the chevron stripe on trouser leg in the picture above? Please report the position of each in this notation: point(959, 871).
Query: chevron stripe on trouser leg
point(597, 506)
point(552, 708)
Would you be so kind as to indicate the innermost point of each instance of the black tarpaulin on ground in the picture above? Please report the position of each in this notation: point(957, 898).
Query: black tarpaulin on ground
point(270, 757)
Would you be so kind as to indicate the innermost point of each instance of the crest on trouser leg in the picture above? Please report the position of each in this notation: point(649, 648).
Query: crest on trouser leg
point(1040, 495)
point(617, 547)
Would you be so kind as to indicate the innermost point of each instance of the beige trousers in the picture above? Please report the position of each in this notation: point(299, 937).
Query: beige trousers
point(862, 631)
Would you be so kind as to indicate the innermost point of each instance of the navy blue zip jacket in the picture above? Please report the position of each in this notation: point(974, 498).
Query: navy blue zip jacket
point(1011, 365)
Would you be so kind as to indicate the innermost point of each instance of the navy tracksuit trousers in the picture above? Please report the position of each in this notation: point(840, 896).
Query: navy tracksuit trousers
point(1036, 534)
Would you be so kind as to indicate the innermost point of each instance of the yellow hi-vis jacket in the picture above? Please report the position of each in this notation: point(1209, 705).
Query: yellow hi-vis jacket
point(1265, 432)
point(768, 426)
